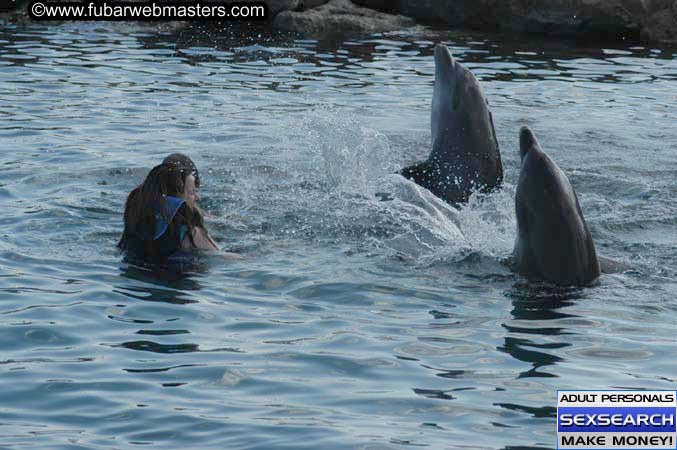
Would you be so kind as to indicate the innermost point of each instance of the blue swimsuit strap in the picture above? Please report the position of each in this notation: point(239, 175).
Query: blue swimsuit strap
point(165, 213)
point(183, 231)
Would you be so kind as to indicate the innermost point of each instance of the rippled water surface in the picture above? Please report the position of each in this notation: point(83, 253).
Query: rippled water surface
point(349, 322)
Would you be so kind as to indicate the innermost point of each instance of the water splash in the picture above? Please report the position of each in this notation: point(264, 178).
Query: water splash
point(358, 162)
point(354, 157)
point(488, 221)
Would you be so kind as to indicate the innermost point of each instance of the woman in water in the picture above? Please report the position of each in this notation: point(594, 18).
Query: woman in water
point(161, 217)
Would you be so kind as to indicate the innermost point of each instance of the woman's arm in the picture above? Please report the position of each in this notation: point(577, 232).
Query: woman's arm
point(204, 241)
point(209, 238)
point(201, 239)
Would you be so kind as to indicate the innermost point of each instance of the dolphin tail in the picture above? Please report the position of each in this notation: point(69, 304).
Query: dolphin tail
point(608, 265)
point(418, 173)
point(437, 179)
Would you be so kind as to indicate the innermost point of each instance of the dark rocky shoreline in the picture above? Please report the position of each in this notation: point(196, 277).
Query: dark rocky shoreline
point(653, 21)
point(648, 20)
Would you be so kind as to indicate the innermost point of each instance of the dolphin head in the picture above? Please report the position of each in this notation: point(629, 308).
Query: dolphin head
point(527, 142)
point(459, 106)
point(542, 180)
point(444, 62)
point(553, 241)
point(542, 188)
point(445, 98)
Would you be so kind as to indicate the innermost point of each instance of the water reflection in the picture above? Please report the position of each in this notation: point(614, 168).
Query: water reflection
point(542, 301)
point(150, 346)
point(155, 347)
point(539, 412)
point(162, 369)
point(515, 347)
point(535, 305)
point(290, 63)
point(155, 282)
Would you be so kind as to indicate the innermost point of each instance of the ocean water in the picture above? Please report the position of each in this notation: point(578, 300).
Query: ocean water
point(348, 322)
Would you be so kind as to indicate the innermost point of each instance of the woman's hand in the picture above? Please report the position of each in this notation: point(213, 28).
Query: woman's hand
point(203, 240)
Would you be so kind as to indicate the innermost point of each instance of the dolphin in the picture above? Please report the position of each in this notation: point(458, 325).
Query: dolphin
point(465, 155)
point(553, 241)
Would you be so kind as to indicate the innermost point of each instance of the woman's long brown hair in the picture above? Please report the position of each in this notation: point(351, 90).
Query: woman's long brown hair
point(143, 202)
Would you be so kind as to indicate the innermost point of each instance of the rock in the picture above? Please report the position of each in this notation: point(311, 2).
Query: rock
point(551, 16)
point(656, 19)
point(309, 4)
point(569, 17)
point(661, 24)
point(449, 11)
point(388, 6)
point(277, 6)
point(339, 15)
